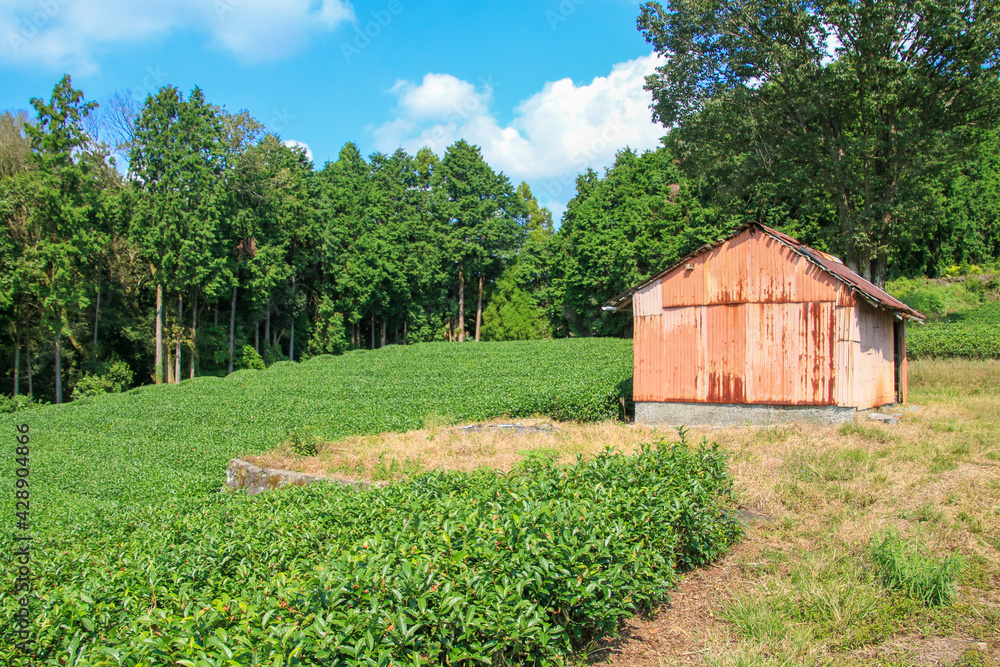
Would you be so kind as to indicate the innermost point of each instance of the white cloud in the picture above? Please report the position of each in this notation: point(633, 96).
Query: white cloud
point(292, 143)
point(71, 33)
point(555, 134)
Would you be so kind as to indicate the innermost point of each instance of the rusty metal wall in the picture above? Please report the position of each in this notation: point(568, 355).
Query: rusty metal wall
point(749, 268)
point(750, 322)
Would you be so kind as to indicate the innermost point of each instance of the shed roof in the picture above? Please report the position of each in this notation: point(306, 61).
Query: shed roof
point(875, 296)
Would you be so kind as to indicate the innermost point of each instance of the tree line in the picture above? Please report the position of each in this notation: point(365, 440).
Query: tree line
point(175, 238)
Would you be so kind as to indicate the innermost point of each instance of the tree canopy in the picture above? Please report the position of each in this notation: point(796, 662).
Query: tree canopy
point(857, 101)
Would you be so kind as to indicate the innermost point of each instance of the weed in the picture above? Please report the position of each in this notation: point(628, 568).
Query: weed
point(870, 433)
point(388, 467)
point(755, 619)
point(907, 567)
point(303, 442)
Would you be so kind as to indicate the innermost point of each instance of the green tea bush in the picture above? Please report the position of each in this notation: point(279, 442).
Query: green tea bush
point(973, 334)
point(448, 568)
point(136, 553)
point(907, 567)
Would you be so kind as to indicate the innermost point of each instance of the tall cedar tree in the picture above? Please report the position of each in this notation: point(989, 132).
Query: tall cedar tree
point(64, 235)
point(175, 164)
point(485, 219)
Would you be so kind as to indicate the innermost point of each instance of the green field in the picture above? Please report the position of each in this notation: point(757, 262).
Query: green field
point(92, 457)
point(973, 333)
point(963, 317)
point(139, 559)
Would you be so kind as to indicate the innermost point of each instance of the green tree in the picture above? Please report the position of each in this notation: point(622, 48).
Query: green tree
point(62, 231)
point(176, 162)
point(512, 314)
point(484, 216)
point(856, 95)
point(619, 230)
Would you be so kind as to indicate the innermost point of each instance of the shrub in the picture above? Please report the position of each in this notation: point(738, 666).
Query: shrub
point(512, 314)
point(112, 378)
point(907, 567)
point(252, 359)
point(10, 404)
point(303, 442)
point(973, 334)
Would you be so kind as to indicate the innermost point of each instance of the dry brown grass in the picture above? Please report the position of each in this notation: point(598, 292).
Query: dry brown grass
point(799, 589)
point(452, 447)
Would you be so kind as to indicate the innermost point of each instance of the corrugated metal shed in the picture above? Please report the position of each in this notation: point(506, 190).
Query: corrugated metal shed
point(759, 318)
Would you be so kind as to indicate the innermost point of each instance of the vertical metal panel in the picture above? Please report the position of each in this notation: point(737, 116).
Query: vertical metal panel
point(874, 371)
point(848, 345)
point(727, 270)
point(648, 300)
point(790, 353)
point(647, 338)
point(683, 286)
point(681, 350)
point(725, 348)
point(779, 275)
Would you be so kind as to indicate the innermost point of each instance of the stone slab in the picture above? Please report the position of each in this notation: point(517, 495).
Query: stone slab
point(244, 475)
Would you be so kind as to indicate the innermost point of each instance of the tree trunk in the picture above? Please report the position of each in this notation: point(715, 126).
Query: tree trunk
point(177, 352)
point(880, 269)
point(215, 318)
point(232, 327)
point(382, 342)
point(169, 357)
point(58, 349)
point(267, 330)
point(479, 308)
point(27, 351)
point(17, 360)
point(405, 340)
point(291, 335)
point(194, 330)
point(373, 327)
point(461, 307)
point(97, 313)
point(158, 364)
point(256, 334)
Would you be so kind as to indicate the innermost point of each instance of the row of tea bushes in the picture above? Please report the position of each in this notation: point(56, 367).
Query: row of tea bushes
point(448, 568)
point(972, 334)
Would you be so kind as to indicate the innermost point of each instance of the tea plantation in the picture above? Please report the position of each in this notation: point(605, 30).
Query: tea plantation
point(973, 333)
point(138, 559)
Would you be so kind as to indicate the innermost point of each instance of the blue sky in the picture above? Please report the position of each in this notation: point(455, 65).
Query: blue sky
point(546, 89)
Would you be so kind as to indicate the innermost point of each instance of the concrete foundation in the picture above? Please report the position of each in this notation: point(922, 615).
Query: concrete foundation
point(735, 414)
